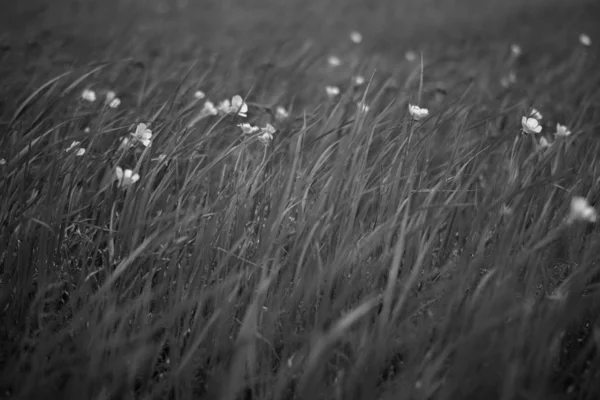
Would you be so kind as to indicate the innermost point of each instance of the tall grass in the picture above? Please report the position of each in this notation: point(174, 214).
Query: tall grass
point(359, 255)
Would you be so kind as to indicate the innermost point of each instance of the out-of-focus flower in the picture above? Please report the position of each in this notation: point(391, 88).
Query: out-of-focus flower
point(88, 95)
point(112, 100)
point(358, 80)
point(410, 56)
point(86, 129)
point(332, 91)
point(515, 50)
point(209, 108)
point(562, 131)
point(585, 40)
point(334, 61)
point(126, 177)
point(581, 210)
point(281, 113)
point(248, 129)
point(535, 114)
point(417, 112)
point(236, 106)
point(80, 152)
point(73, 145)
point(531, 125)
point(266, 134)
point(142, 134)
point(199, 95)
point(508, 80)
point(2, 161)
point(356, 37)
point(544, 143)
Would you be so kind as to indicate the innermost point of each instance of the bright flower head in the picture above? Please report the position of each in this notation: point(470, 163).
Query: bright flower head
point(544, 143)
point(236, 106)
point(73, 145)
point(209, 108)
point(334, 61)
point(248, 129)
point(88, 95)
point(266, 134)
point(126, 177)
point(332, 91)
point(417, 112)
point(582, 211)
point(356, 37)
point(561, 130)
point(358, 80)
point(410, 56)
point(585, 40)
point(515, 50)
point(531, 125)
point(281, 113)
point(142, 134)
point(199, 95)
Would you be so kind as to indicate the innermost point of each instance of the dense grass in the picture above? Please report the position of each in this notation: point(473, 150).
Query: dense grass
point(360, 255)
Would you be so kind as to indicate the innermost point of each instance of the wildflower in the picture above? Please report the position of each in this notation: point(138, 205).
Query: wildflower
point(248, 129)
point(80, 151)
point(235, 106)
point(531, 125)
point(334, 61)
point(88, 95)
point(332, 91)
point(356, 37)
point(126, 177)
point(73, 145)
point(199, 95)
point(410, 56)
point(417, 112)
point(86, 129)
point(581, 210)
point(585, 40)
point(114, 103)
point(362, 107)
point(266, 134)
point(509, 79)
point(2, 161)
point(562, 131)
point(358, 80)
point(110, 96)
point(515, 50)
point(142, 134)
point(535, 114)
point(544, 143)
point(209, 108)
point(281, 113)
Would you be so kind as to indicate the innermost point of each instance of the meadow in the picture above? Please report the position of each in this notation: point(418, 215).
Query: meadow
point(329, 200)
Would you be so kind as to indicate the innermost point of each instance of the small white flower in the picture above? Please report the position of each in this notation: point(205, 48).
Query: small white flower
point(248, 129)
point(125, 177)
point(142, 134)
point(544, 143)
point(332, 91)
point(266, 134)
point(410, 55)
point(86, 129)
point(110, 96)
point(582, 211)
point(585, 40)
point(73, 145)
point(236, 106)
point(334, 61)
point(417, 112)
point(199, 95)
point(362, 107)
point(114, 103)
point(535, 114)
point(2, 161)
point(356, 37)
point(80, 152)
point(531, 125)
point(209, 108)
point(562, 131)
point(281, 113)
point(358, 80)
point(88, 95)
point(515, 50)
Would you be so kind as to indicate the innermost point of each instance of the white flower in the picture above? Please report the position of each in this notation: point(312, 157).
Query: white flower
point(585, 40)
point(356, 37)
point(535, 114)
point(544, 143)
point(142, 134)
point(88, 95)
point(73, 145)
point(515, 50)
point(86, 129)
point(332, 91)
point(281, 113)
point(358, 80)
point(266, 134)
point(561, 130)
point(531, 125)
point(110, 96)
point(114, 103)
point(209, 108)
point(410, 56)
point(126, 177)
point(248, 129)
point(80, 152)
point(199, 95)
point(582, 211)
point(236, 106)
point(2, 161)
point(417, 112)
point(334, 61)
point(362, 107)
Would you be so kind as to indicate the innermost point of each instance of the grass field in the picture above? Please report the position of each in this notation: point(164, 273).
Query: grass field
point(340, 245)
